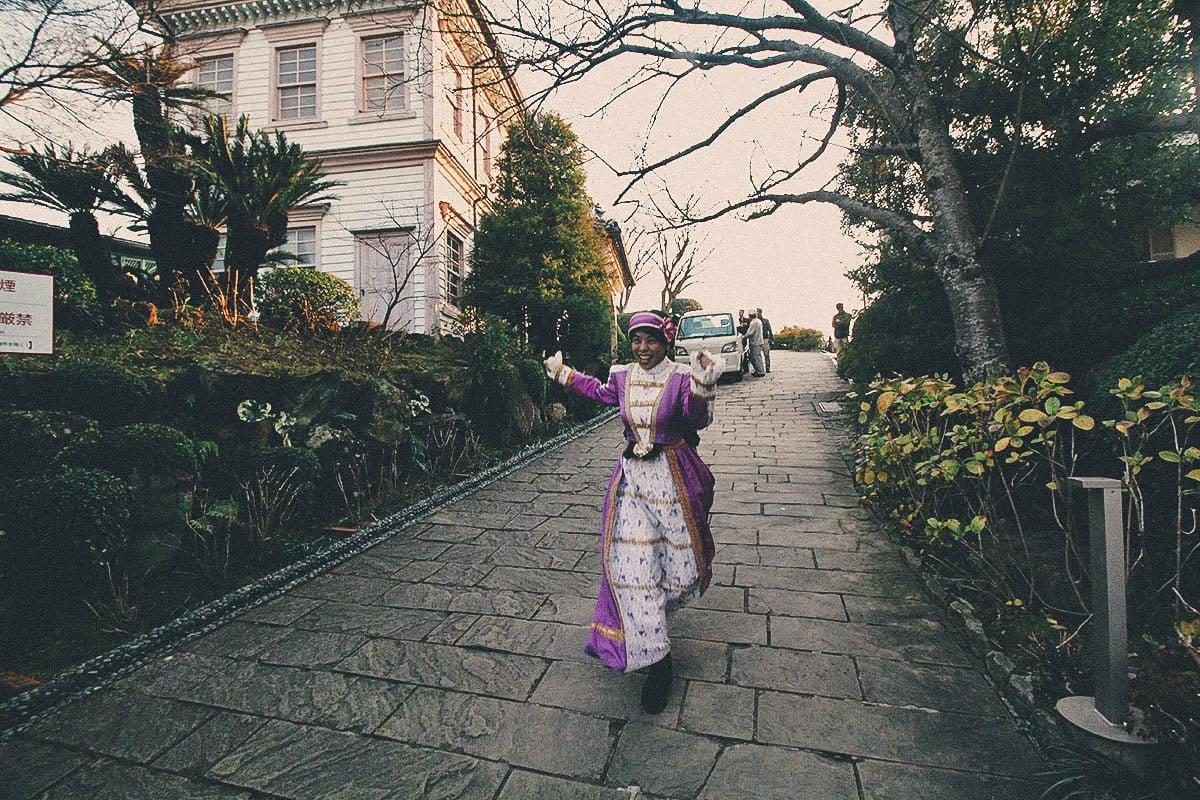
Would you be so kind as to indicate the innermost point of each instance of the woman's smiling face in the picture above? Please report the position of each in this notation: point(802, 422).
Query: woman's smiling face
point(648, 349)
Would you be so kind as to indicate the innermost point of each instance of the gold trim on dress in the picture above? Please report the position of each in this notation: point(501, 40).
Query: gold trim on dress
point(607, 632)
point(650, 542)
point(702, 568)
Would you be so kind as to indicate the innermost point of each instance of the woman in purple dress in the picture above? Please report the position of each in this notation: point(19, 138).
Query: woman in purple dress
point(656, 547)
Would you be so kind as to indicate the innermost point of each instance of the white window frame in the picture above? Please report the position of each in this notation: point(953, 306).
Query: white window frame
point(452, 300)
point(399, 96)
point(218, 264)
point(297, 225)
point(456, 91)
point(277, 85)
point(231, 99)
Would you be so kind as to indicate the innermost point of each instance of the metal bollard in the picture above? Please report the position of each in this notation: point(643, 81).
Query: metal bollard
point(1105, 714)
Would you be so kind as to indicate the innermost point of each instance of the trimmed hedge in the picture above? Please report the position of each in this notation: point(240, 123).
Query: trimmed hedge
point(159, 453)
point(293, 298)
point(38, 436)
point(1160, 355)
point(68, 524)
point(107, 392)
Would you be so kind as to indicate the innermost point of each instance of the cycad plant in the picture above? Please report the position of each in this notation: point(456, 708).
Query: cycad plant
point(151, 79)
point(260, 178)
point(78, 183)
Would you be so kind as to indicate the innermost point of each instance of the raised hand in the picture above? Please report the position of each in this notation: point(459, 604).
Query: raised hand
point(553, 364)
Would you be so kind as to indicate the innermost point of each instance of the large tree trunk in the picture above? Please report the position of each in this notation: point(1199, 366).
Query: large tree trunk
point(970, 289)
point(91, 251)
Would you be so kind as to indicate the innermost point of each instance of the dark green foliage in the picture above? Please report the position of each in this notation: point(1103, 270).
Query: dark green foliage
point(77, 183)
point(38, 436)
point(538, 258)
point(160, 466)
point(495, 397)
point(902, 332)
point(682, 305)
point(76, 304)
point(1160, 355)
point(158, 453)
point(256, 178)
point(532, 374)
point(298, 461)
point(1062, 216)
point(69, 524)
point(107, 392)
point(297, 299)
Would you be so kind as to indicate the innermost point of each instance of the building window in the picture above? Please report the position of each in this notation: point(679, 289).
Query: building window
point(218, 264)
point(296, 82)
point(301, 244)
point(1162, 243)
point(486, 147)
point(456, 100)
point(456, 266)
point(216, 75)
point(383, 73)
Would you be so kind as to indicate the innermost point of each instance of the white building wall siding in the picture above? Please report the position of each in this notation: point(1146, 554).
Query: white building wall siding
point(377, 194)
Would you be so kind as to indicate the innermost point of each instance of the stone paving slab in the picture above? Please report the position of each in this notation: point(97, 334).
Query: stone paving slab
point(447, 662)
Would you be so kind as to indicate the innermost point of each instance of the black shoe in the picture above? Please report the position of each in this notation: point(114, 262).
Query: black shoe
point(657, 687)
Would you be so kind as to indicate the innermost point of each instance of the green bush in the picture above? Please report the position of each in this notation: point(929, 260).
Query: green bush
point(155, 453)
point(1161, 354)
point(796, 338)
point(293, 298)
point(278, 489)
point(38, 436)
point(68, 524)
point(532, 374)
point(106, 392)
point(160, 465)
point(75, 300)
point(906, 333)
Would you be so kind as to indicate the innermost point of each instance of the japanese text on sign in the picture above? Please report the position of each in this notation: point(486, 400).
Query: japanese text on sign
point(26, 313)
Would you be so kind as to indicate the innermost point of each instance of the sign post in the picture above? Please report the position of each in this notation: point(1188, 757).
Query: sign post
point(26, 313)
point(1105, 714)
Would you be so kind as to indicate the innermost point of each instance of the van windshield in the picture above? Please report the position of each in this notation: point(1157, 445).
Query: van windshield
point(706, 325)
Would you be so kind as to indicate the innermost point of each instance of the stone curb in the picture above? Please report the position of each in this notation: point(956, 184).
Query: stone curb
point(28, 707)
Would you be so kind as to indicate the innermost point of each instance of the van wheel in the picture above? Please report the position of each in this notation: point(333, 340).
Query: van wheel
point(737, 376)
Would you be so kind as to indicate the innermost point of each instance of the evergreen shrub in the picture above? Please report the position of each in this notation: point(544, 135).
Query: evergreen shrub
point(294, 299)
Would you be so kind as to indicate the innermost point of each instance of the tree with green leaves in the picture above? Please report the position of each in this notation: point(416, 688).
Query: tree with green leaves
point(251, 180)
point(151, 80)
point(538, 259)
point(1059, 192)
point(77, 183)
point(883, 55)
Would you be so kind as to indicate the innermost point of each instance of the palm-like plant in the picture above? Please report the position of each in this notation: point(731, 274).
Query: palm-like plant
point(151, 80)
point(260, 178)
point(79, 184)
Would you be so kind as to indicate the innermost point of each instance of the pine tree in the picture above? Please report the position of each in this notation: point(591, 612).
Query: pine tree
point(538, 257)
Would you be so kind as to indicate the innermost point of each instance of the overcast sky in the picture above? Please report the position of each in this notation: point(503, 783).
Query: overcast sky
point(792, 263)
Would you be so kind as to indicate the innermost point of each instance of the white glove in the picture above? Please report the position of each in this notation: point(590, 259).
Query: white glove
point(555, 369)
point(704, 379)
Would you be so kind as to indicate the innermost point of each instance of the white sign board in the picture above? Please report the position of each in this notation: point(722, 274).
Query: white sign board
point(26, 313)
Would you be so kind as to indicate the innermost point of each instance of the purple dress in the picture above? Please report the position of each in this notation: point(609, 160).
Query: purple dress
point(656, 546)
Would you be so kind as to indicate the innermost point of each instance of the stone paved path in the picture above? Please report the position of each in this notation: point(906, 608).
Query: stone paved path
point(446, 662)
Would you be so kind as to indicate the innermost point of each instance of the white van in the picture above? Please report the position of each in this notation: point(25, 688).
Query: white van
point(714, 331)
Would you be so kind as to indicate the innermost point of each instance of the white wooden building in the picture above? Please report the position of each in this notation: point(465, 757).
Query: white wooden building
point(405, 104)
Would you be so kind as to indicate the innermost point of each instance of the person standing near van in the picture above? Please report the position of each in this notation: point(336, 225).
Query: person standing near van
point(768, 339)
point(754, 336)
point(841, 329)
